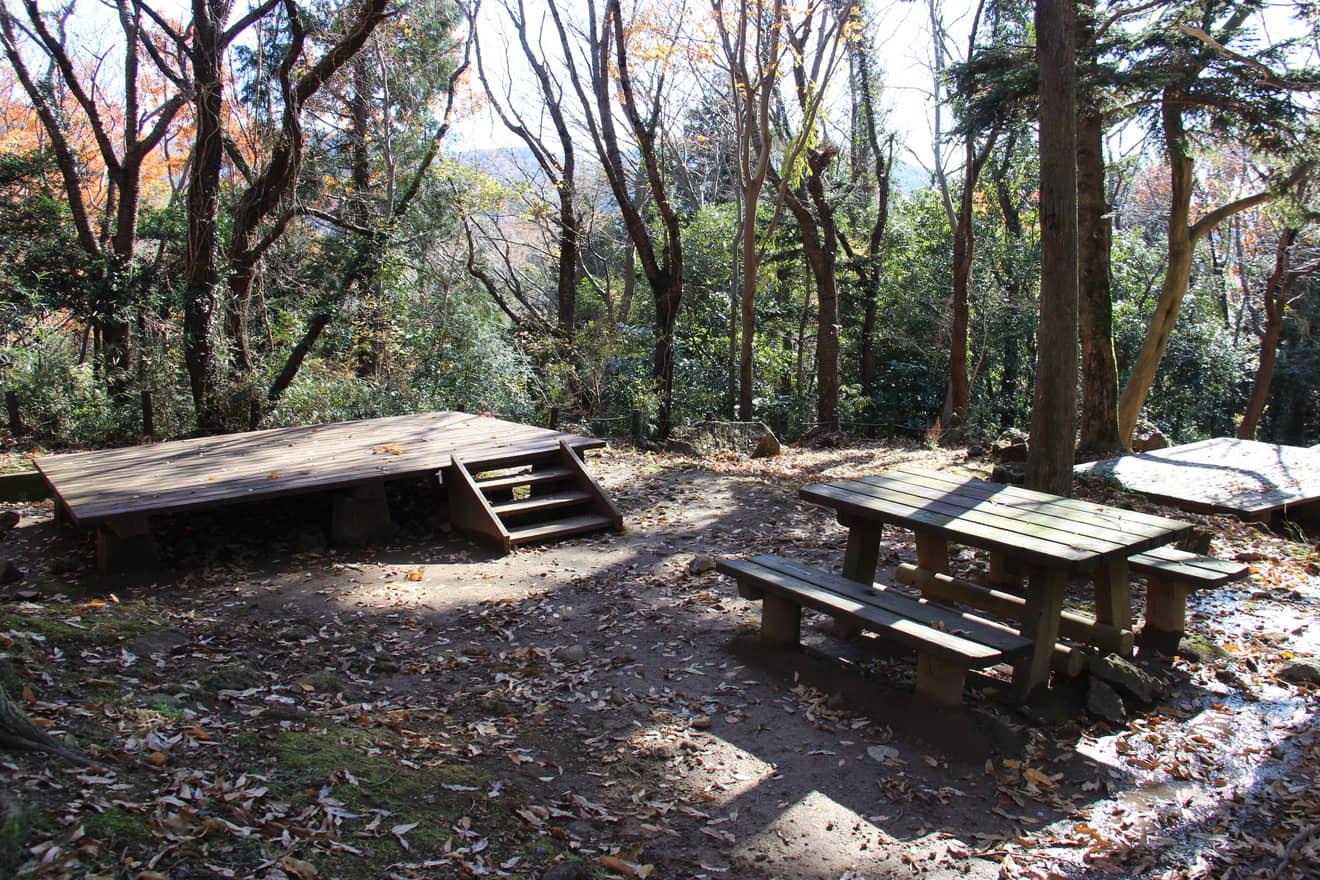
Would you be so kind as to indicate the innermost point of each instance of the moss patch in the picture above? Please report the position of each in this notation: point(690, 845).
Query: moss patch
point(115, 824)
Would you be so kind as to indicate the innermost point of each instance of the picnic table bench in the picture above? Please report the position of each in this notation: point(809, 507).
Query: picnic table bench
point(1170, 575)
point(947, 642)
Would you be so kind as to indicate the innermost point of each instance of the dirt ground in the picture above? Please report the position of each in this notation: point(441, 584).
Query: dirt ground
point(269, 706)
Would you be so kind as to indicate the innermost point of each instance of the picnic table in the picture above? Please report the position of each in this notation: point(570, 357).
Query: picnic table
point(1049, 538)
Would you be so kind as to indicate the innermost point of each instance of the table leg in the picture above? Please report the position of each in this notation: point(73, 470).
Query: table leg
point(1113, 604)
point(863, 552)
point(933, 552)
point(1006, 573)
point(1040, 623)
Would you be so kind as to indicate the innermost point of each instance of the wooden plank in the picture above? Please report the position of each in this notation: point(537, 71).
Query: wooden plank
point(602, 504)
point(469, 508)
point(539, 503)
point(947, 619)
point(528, 478)
point(572, 525)
point(1072, 624)
point(1106, 525)
point(1028, 548)
point(1049, 531)
point(1120, 519)
point(1205, 571)
point(910, 630)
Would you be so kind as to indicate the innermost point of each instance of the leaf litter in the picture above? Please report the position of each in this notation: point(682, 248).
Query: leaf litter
point(423, 709)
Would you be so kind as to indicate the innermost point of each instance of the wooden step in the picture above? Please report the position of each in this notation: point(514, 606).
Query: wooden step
point(497, 460)
point(530, 478)
point(556, 528)
point(539, 503)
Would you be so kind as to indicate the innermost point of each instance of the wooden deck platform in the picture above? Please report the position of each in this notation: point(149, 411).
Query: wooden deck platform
point(1247, 478)
point(118, 489)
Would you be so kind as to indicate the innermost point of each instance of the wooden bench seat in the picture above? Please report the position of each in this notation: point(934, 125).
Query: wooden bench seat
point(947, 642)
point(1170, 575)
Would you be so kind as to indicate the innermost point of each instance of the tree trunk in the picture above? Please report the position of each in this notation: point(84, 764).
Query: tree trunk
point(1099, 410)
point(751, 259)
point(1182, 239)
point(815, 220)
point(201, 268)
point(1177, 276)
point(1053, 411)
point(953, 417)
point(1278, 291)
point(18, 732)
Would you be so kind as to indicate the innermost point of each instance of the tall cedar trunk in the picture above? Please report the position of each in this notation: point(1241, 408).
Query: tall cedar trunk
point(1099, 410)
point(369, 347)
point(201, 262)
point(1053, 410)
point(1275, 297)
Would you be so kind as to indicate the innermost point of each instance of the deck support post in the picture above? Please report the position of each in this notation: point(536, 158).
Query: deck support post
point(940, 681)
point(361, 513)
point(125, 544)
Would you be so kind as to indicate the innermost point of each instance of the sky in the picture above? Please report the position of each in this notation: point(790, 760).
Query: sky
point(903, 51)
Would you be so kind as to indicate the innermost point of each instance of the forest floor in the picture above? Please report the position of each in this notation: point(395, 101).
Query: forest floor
point(271, 707)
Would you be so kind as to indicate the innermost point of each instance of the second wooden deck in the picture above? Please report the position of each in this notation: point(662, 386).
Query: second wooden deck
point(1248, 478)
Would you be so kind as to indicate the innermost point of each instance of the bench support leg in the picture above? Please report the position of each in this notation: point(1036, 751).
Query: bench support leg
point(1040, 623)
point(1166, 615)
point(781, 622)
point(939, 681)
point(361, 514)
point(1113, 605)
point(125, 544)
